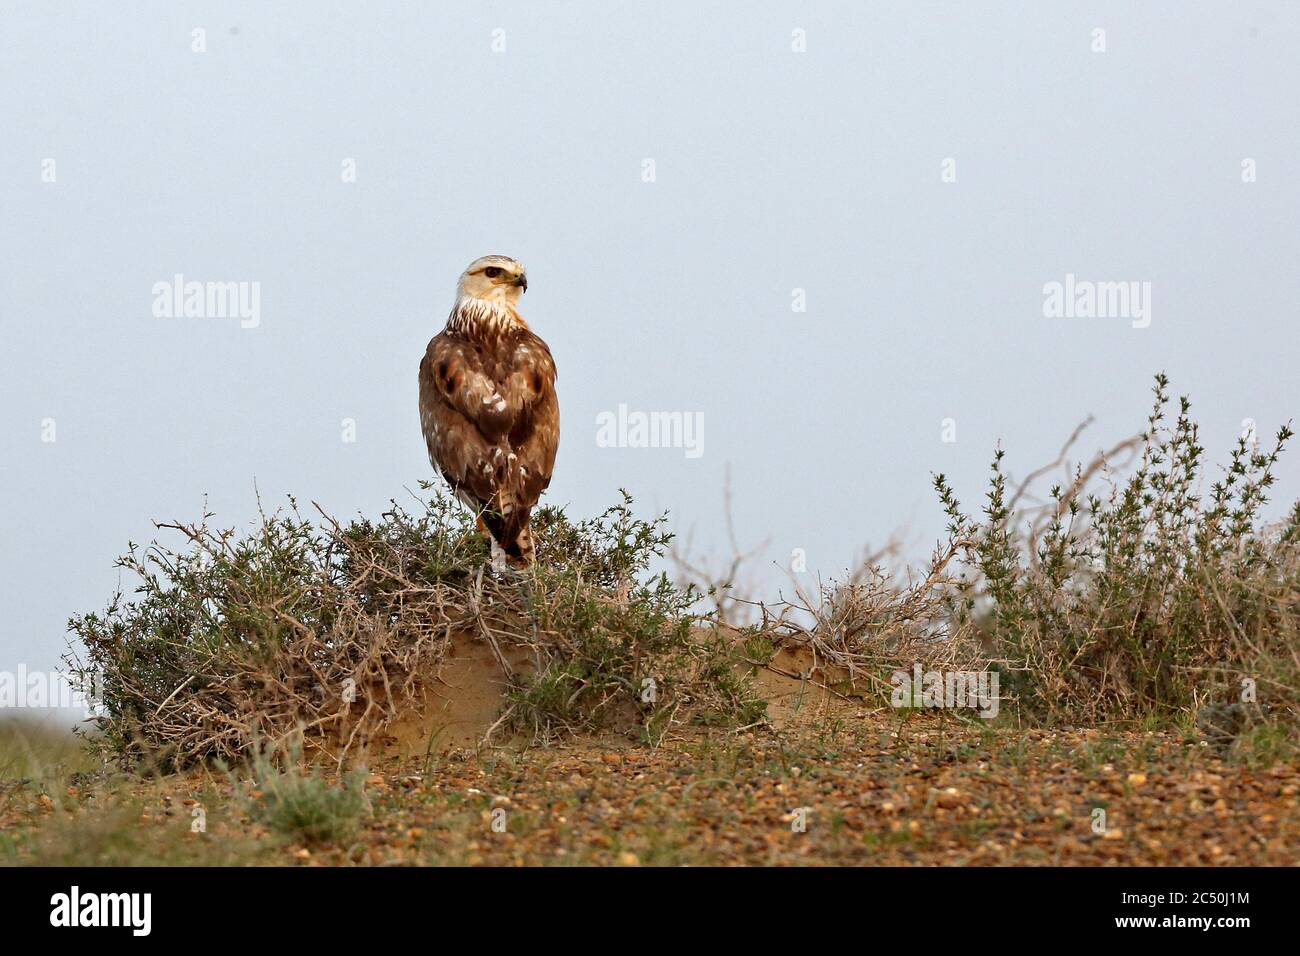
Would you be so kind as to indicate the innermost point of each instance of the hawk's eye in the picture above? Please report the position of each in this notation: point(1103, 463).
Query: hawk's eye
point(492, 272)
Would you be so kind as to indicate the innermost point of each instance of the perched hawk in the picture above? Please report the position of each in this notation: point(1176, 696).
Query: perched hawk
point(488, 406)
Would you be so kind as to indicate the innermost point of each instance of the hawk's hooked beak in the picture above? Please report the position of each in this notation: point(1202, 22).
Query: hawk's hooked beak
point(522, 282)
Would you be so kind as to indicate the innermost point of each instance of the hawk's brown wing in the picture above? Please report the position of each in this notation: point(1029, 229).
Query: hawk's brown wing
point(491, 421)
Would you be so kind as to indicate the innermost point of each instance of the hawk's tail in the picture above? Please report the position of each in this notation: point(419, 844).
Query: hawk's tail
point(512, 535)
point(505, 517)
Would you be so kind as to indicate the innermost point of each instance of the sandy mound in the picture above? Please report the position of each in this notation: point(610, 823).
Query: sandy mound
point(801, 690)
point(461, 706)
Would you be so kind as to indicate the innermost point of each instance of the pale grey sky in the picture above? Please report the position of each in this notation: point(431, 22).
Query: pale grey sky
point(775, 170)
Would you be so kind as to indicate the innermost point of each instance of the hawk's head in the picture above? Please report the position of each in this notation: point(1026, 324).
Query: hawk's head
point(495, 278)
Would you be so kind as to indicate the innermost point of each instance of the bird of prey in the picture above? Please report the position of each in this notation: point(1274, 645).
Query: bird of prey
point(488, 407)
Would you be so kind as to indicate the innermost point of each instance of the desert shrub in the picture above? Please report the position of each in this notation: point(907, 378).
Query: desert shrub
point(330, 627)
point(1145, 597)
